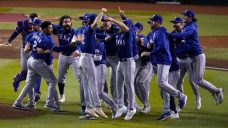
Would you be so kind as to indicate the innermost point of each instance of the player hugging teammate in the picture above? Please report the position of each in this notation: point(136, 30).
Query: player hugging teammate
point(132, 57)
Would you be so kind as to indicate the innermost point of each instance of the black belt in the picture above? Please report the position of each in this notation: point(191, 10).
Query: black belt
point(66, 54)
point(122, 59)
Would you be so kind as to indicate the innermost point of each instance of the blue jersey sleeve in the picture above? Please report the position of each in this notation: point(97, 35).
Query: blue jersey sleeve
point(187, 31)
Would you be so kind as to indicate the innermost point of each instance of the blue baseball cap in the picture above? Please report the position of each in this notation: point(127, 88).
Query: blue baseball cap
point(188, 13)
point(128, 23)
point(88, 17)
point(84, 15)
point(138, 26)
point(177, 20)
point(35, 21)
point(156, 18)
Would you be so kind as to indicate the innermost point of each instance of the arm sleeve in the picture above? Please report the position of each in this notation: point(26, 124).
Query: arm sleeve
point(13, 36)
point(188, 31)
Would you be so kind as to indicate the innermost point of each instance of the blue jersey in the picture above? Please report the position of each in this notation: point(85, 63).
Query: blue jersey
point(23, 28)
point(161, 52)
point(100, 51)
point(89, 43)
point(124, 44)
point(134, 45)
point(64, 38)
point(40, 40)
point(110, 45)
point(190, 35)
point(179, 46)
point(143, 48)
point(175, 64)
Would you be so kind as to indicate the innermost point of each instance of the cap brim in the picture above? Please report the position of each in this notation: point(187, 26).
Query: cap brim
point(172, 21)
point(183, 13)
point(102, 20)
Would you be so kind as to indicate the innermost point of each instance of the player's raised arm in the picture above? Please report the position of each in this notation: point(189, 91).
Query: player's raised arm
point(98, 18)
point(122, 26)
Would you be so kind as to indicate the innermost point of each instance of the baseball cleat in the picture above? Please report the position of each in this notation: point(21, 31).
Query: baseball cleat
point(178, 109)
point(19, 106)
point(174, 115)
point(99, 111)
point(198, 102)
point(220, 96)
point(130, 114)
point(119, 112)
point(87, 117)
point(145, 109)
point(91, 112)
point(164, 116)
point(30, 106)
point(182, 101)
point(48, 107)
point(62, 98)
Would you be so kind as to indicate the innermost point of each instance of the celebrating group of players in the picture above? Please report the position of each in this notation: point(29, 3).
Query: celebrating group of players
point(132, 57)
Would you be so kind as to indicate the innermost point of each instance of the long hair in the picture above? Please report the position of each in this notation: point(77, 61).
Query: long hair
point(194, 19)
point(62, 18)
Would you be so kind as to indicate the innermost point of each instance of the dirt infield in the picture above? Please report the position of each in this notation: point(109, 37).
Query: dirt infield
point(8, 112)
point(11, 17)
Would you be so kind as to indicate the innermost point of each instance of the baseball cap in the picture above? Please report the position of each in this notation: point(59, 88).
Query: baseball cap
point(88, 17)
point(177, 20)
point(128, 23)
point(156, 18)
point(138, 25)
point(188, 13)
point(36, 21)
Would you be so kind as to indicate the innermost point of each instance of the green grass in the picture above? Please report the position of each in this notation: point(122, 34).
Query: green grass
point(210, 116)
point(217, 53)
point(209, 25)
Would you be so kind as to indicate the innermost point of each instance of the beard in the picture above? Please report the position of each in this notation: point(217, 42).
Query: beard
point(67, 27)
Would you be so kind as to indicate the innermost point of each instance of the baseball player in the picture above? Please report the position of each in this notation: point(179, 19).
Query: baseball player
point(184, 61)
point(23, 27)
point(108, 30)
point(68, 58)
point(39, 64)
point(125, 68)
point(145, 73)
point(135, 54)
point(87, 65)
point(162, 57)
point(101, 69)
point(194, 51)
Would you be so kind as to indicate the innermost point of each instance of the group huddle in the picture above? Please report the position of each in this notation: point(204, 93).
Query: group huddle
point(132, 57)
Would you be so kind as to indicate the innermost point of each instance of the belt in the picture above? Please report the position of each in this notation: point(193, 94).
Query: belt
point(66, 54)
point(124, 59)
point(87, 54)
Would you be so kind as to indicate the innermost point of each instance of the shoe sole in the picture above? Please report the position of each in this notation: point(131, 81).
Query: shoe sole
point(93, 114)
point(101, 114)
point(20, 108)
point(130, 117)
